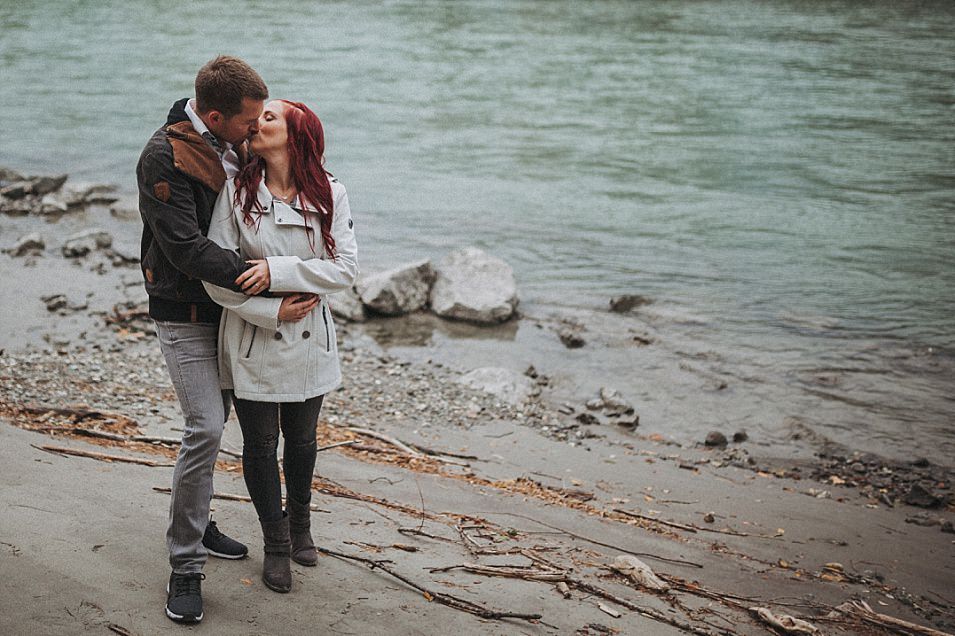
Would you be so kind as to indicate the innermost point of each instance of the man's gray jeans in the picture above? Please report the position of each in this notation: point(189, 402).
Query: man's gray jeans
point(190, 352)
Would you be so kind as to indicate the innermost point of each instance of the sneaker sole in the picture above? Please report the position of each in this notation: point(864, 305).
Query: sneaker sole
point(223, 555)
point(182, 619)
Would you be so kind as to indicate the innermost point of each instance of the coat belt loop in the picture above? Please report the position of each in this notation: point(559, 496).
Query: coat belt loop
point(193, 317)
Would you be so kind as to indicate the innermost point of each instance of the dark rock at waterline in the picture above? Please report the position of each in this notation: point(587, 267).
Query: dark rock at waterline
point(83, 243)
point(920, 462)
point(740, 436)
point(571, 339)
point(948, 527)
point(623, 304)
point(45, 185)
point(30, 244)
point(715, 439)
point(922, 519)
point(16, 207)
point(16, 190)
point(55, 302)
point(919, 495)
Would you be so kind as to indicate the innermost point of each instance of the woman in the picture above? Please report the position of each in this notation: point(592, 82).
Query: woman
point(278, 355)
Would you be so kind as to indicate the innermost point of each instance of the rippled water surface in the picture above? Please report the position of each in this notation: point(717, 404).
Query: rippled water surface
point(778, 176)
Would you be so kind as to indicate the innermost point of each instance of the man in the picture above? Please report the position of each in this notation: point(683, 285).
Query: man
point(180, 173)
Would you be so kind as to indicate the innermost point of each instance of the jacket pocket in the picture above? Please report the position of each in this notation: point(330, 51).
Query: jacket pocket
point(247, 348)
point(328, 333)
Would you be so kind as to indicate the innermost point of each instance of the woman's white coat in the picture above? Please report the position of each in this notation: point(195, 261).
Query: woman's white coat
point(260, 357)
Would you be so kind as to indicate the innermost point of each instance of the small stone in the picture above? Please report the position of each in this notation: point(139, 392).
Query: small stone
point(16, 190)
point(531, 372)
point(858, 467)
point(595, 404)
point(709, 517)
point(571, 339)
point(948, 527)
point(715, 438)
point(29, 244)
point(50, 204)
point(631, 422)
point(920, 462)
point(55, 302)
point(623, 304)
point(586, 418)
point(922, 519)
point(920, 496)
point(740, 436)
point(45, 185)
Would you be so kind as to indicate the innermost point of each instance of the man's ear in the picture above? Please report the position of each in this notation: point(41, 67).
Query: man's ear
point(215, 117)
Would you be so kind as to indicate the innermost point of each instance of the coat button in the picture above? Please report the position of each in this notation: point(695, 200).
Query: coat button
point(306, 334)
point(278, 335)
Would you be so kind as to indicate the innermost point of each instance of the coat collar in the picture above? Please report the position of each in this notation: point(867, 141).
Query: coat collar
point(284, 214)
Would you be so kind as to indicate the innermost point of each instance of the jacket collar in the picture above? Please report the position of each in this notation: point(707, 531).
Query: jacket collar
point(194, 156)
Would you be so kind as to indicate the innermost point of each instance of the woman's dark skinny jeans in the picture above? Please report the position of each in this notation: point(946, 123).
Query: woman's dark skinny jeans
point(260, 422)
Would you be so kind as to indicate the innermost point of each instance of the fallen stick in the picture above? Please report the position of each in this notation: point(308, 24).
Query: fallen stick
point(81, 413)
point(385, 438)
point(691, 528)
point(670, 524)
point(563, 577)
point(596, 542)
point(103, 457)
point(335, 445)
point(231, 497)
point(440, 597)
point(431, 451)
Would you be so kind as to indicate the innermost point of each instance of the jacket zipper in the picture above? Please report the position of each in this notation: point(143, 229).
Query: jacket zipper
point(251, 341)
point(328, 335)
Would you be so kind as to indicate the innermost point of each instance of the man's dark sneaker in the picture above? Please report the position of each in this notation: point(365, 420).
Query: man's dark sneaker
point(184, 597)
point(222, 546)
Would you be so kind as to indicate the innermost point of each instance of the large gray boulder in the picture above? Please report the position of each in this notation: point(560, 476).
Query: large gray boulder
point(347, 304)
point(474, 286)
point(397, 291)
point(507, 385)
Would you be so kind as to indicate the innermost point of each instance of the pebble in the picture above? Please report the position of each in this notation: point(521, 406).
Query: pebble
point(571, 339)
point(715, 438)
point(740, 436)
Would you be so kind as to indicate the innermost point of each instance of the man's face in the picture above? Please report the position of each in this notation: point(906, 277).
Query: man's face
point(240, 126)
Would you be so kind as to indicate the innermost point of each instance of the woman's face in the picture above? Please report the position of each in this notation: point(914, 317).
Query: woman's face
point(273, 132)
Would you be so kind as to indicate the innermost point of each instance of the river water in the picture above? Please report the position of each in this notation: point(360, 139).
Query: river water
point(779, 177)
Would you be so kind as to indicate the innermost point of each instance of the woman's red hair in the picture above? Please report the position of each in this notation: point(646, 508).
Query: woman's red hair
point(306, 149)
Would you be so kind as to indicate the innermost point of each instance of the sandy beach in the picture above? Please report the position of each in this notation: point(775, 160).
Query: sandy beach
point(439, 507)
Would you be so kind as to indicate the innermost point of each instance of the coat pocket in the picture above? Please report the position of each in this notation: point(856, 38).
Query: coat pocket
point(248, 339)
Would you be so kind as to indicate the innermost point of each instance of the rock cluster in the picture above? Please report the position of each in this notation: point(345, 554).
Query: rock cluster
point(46, 195)
point(467, 285)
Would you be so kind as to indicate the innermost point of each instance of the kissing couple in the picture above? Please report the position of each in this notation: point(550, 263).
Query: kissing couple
point(245, 234)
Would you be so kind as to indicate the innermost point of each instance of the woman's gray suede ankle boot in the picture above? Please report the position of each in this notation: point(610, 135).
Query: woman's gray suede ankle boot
point(300, 523)
point(276, 568)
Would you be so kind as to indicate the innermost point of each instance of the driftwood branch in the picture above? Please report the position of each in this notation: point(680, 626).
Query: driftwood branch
point(431, 595)
point(103, 457)
point(385, 438)
point(861, 610)
point(225, 496)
